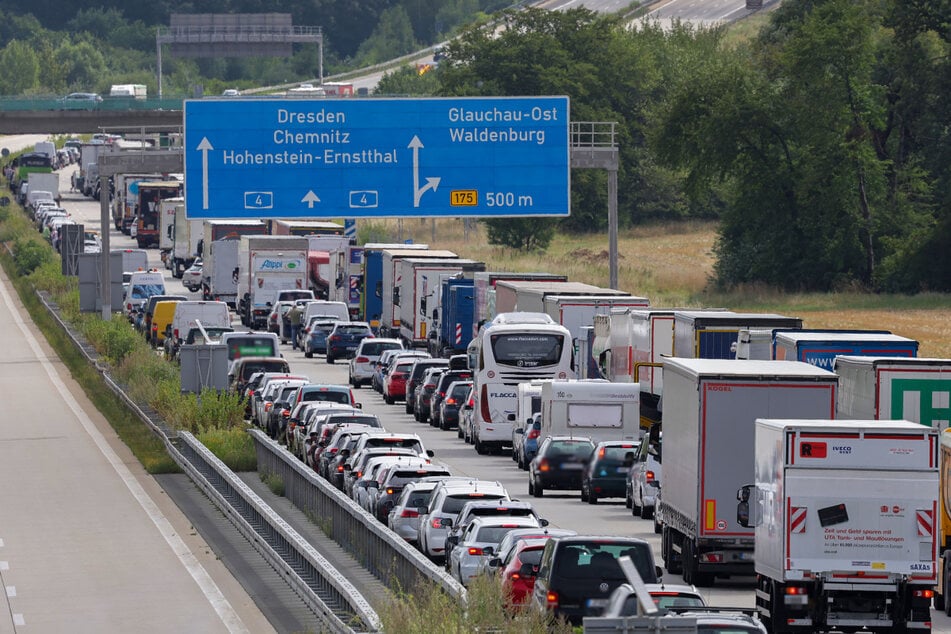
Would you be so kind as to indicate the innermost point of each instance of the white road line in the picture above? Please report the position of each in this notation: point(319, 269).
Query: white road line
point(4, 565)
point(18, 619)
point(207, 585)
point(11, 591)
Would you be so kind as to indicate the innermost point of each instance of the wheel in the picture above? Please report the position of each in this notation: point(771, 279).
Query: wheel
point(647, 512)
point(635, 509)
point(459, 432)
point(409, 408)
point(417, 416)
point(309, 355)
point(520, 460)
point(658, 527)
point(667, 550)
point(592, 498)
point(479, 447)
point(330, 358)
point(531, 487)
point(387, 400)
point(944, 593)
point(584, 494)
point(539, 490)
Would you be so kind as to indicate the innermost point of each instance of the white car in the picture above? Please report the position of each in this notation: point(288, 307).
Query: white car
point(191, 277)
point(479, 541)
point(447, 500)
point(643, 481)
point(367, 354)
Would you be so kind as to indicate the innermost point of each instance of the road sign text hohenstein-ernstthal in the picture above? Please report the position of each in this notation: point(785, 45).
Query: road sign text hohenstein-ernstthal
point(312, 158)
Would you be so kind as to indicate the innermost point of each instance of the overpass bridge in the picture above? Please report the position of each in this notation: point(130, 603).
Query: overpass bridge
point(54, 116)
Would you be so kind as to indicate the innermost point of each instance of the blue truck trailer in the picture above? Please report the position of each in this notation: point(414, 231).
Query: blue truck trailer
point(454, 330)
point(712, 334)
point(821, 348)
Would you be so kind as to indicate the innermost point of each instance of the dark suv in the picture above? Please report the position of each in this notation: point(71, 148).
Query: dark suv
point(416, 376)
point(606, 473)
point(578, 573)
point(559, 464)
point(442, 387)
point(343, 340)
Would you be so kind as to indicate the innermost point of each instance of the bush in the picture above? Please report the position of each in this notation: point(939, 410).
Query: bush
point(30, 254)
point(234, 447)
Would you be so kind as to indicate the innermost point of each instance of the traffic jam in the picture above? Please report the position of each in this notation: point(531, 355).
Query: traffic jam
point(460, 407)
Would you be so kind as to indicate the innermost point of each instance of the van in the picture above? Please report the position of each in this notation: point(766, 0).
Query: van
point(337, 310)
point(142, 285)
point(133, 91)
point(251, 344)
point(597, 409)
point(162, 315)
point(188, 315)
point(133, 259)
point(149, 314)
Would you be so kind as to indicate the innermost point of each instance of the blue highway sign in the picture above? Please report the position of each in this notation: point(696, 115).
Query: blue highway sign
point(366, 158)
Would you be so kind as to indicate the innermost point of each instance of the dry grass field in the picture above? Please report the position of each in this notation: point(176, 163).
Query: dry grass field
point(670, 264)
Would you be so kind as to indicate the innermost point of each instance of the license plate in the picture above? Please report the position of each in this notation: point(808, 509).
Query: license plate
point(597, 603)
point(572, 466)
point(623, 469)
point(351, 348)
point(744, 556)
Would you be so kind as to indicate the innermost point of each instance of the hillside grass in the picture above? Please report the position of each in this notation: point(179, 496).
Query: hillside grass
point(671, 265)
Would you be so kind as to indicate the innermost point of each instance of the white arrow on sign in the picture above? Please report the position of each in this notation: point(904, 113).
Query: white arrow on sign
point(203, 147)
point(431, 182)
point(310, 198)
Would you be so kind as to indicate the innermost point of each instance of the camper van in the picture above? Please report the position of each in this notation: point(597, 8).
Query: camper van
point(599, 410)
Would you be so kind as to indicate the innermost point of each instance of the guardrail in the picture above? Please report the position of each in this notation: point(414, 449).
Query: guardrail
point(335, 601)
point(384, 553)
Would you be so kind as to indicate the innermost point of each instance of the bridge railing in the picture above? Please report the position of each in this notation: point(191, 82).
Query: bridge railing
point(107, 103)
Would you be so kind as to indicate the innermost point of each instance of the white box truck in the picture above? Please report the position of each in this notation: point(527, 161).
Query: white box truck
point(710, 407)
point(167, 226)
point(187, 235)
point(419, 294)
point(390, 282)
point(844, 515)
point(268, 264)
point(596, 409)
point(46, 182)
point(916, 389)
point(219, 264)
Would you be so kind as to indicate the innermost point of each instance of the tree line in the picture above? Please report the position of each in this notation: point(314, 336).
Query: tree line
point(821, 145)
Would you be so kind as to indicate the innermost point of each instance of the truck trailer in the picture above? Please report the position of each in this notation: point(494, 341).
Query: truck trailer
point(420, 293)
point(371, 300)
point(219, 266)
point(484, 283)
point(187, 234)
point(266, 265)
point(391, 281)
point(710, 407)
point(821, 347)
point(712, 334)
point(844, 520)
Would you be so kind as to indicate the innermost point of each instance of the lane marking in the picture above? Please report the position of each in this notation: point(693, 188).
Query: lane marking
point(208, 587)
point(4, 565)
point(18, 619)
point(11, 591)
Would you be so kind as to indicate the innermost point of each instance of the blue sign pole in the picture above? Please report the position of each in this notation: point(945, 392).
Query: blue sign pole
point(327, 158)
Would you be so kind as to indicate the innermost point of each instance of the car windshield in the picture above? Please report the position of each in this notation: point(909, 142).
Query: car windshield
point(331, 396)
point(251, 346)
point(145, 291)
point(570, 448)
point(418, 499)
point(369, 421)
point(401, 478)
point(460, 391)
point(526, 350)
point(598, 560)
point(375, 348)
point(352, 330)
point(263, 366)
point(454, 503)
point(532, 556)
point(493, 534)
point(616, 456)
point(403, 443)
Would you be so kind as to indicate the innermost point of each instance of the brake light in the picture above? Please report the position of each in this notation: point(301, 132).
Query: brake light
point(409, 513)
point(923, 594)
point(267, 407)
point(389, 491)
point(516, 576)
point(543, 465)
point(601, 452)
point(552, 599)
point(475, 551)
point(361, 360)
point(712, 558)
point(339, 468)
point(649, 476)
point(285, 413)
point(436, 523)
point(175, 332)
point(794, 590)
point(484, 402)
point(441, 394)
point(534, 433)
point(450, 401)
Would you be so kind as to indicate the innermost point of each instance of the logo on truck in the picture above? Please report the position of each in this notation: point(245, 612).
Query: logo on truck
point(812, 450)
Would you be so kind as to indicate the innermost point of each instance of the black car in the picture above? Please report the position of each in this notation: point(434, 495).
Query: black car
point(416, 376)
point(450, 407)
point(446, 379)
point(424, 394)
point(606, 473)
point(578, 573)
point(559, 464)
point(343, 340)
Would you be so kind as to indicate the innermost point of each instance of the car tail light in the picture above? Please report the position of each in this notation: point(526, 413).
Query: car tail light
point(475, 551)
point(154, 328)
point(436, 522)
point(175, 332)
point(649, 476)
point(450, 401)
point(551, 598)
point(339, 468)
point(484, 402)
point(793, 590)
point(285, 413)
point(918, 594)
point(267, 407)
point(601, 453)
point(409, 513)
point(441, 394)
point(515, 576)
point(533, 434)
point(361, 360)
point(389, 491)
point(334, 339)
point(429, 386)
point(543, 465)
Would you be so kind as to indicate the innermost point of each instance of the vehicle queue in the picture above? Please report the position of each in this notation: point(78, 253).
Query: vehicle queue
point(328, 440)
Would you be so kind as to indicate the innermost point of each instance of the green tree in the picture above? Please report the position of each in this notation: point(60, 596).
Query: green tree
point(20, 68)
point(392, 37)
point(524, 234)
point(86, 65)
point(407, 80)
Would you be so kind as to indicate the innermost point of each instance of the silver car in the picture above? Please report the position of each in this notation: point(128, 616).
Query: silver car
point(411, 505)
point(479, 541)
point(643, 481)
point(367, 354)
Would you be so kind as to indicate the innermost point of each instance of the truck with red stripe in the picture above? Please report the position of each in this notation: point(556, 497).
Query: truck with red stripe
point(709, 410)
point(844, 514)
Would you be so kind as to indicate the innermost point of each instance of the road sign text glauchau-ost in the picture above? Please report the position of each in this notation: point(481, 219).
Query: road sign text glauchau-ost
point(296, 158)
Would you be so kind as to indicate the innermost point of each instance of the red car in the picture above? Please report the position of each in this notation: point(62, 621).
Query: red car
point(394, 385)
point(517, 585)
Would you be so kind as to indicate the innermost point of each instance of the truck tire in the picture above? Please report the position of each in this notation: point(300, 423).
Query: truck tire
point(667, 552)
point(944, 594)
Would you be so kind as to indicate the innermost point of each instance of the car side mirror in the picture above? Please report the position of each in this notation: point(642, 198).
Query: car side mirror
point(488, 550)
point(543, 522)
point(495, 562)
point(447, 523)
point(519, 431)
point(358, 405)
point(430, 453)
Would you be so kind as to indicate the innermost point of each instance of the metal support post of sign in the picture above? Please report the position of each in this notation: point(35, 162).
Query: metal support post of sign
point(105, 281)
point(612, 229)
point(594, 146)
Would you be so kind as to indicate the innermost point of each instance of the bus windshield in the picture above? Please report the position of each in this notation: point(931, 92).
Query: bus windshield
point(527, 350)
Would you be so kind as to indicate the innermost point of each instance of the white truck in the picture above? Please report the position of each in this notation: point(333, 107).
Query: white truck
point(268, 264)
point(219, 266)
point(167, 227)
point(845, 524)
point(880, 387)
point(47, 182)
point(596, 409)
point(710, 407)
point(187, 233)
point(391, 280)
point(420, 292)
point(88, 155)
